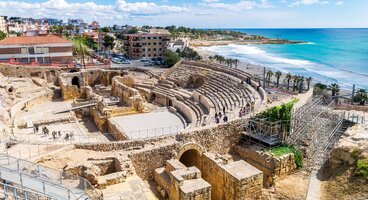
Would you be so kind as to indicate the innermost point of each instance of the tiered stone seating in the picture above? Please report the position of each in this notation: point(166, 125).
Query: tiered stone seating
point(222, 88)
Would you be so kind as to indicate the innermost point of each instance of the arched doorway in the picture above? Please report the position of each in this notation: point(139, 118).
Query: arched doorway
point(191, 158)
point(75, 81)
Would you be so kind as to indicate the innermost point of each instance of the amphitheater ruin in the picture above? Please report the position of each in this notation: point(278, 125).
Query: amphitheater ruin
point(153, 133)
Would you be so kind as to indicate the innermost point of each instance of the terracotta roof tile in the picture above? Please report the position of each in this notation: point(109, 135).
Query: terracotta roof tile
point(33, 40)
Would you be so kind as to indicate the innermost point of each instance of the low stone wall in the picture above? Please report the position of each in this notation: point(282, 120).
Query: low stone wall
point(48, 73)
point(146, 161)
point(28, 103)
point(272, 167)
point(115, 130)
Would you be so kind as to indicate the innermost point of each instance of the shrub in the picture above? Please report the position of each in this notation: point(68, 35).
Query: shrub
point(362, 168)
point(170, 58)
point(286, 149)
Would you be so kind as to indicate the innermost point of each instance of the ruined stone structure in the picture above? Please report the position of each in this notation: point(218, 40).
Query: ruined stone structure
point(204, 160)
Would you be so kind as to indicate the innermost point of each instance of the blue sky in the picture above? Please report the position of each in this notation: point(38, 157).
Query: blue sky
point(200, 13)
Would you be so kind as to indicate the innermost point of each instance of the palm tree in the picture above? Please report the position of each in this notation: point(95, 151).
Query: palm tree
point(288, 78)
point(278, 75)
point(361, 96)
point(295, 81)
point(335, 89)
point(269, 75)
point(210, 58)
point(309, 80)
point(236, 61)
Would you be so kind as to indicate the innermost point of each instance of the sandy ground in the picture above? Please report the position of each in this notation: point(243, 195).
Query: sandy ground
point(293, 187)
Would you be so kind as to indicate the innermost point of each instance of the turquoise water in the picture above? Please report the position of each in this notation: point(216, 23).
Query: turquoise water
point(328, 55)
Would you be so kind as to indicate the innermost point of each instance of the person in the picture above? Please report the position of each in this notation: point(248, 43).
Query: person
point(225, 118)
point(223, 110)
point(241, 112)
point(216, 114)
point(59, 134)
point(66, 136)
point(54, 135)
point(217, 119)
point(220, 114)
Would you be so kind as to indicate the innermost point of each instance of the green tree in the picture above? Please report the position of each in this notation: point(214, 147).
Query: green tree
point(361, 96)
point(278, 75)
point(269, 75)
point(296, 79)
point(105, 29)
point(109, 42)
point(309, 80)
point(288, 78)
point(335, 89)
point(170, 58)
point(134, 30)
point(236, 61)
point(2, 35)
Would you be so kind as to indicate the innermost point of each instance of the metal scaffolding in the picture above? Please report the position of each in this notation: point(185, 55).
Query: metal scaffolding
point(315, 129)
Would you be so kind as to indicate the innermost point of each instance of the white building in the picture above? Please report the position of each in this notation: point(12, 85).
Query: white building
point(3, 24)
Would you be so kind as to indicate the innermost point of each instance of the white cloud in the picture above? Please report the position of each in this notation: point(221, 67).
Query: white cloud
point(241, 5)
point(209, 1)
point(308, 2)
point(339, 3)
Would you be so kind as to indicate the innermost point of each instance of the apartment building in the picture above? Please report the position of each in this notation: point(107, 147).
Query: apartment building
point(148, 45)
point(48, 49)
point(3, 24)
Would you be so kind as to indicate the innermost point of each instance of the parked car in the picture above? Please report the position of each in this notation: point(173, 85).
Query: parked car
point(144, 59)
point(125, 62)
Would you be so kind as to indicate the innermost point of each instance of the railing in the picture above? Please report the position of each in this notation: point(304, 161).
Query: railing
point(43, 179)
point(13, 192)
point(353, 117)
point(151, 133)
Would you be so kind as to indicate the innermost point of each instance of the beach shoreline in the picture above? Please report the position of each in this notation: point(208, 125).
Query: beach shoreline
point(257, 70)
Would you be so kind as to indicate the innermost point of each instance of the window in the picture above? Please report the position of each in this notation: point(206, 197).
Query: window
point(39, 59)
point(45, 50)
point(149, 43)
point(23, 51)
point(46, 60)
point(38, 49)
point(160, 49)
point(24, 60)
point(149, 55)
point(154, 43)
point(160, 38)
point(143, 38)
point(154, 38)
point(154, 55)
point(31, 50)
point(149, 38)
point(160, 43)
point(154, 49)
point(160, 54)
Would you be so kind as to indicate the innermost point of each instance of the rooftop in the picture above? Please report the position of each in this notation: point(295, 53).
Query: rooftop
point(34, 40)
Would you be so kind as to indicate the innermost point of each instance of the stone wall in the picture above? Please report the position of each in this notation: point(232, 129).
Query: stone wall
point(146, 161)
point(272, 167)
point(48, 73)
point(28, 103)
point(220, 139)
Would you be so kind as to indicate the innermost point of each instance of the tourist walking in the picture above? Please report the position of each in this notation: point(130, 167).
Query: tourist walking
point(217, 119)
point(225, 119)
point(220, 115)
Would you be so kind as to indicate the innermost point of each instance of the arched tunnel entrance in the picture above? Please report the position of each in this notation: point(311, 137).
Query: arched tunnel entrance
point(75, 81)
point(191, 158)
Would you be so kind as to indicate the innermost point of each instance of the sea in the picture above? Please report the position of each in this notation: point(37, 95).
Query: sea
point(327, 55)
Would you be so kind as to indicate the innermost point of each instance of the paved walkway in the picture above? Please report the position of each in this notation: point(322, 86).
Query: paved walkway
point(314, 188)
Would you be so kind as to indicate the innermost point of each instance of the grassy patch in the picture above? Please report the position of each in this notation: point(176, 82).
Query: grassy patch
point(286, 149)
point(362, 167)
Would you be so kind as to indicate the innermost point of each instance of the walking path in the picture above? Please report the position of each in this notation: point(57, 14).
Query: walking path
point(314, 188)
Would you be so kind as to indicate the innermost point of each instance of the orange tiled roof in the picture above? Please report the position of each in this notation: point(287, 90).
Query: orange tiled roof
point(33, 40)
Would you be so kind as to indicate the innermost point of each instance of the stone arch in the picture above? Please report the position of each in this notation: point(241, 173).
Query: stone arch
point(111, 75)
point(75, 81)
point(190, 154)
